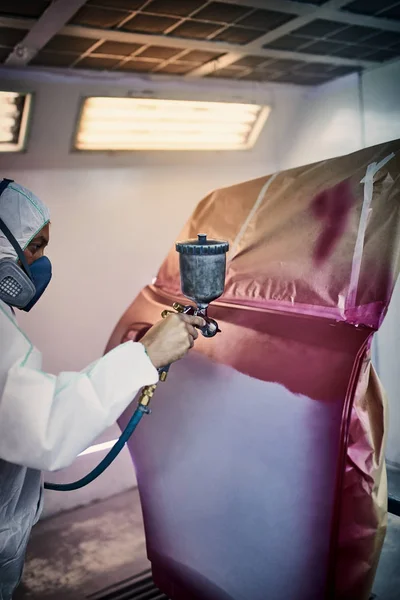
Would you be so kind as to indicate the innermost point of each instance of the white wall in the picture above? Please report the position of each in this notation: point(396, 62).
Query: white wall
point(114, 217)
point(339, 118)
point(348, 114)
point(387, 361)
point(331, 123)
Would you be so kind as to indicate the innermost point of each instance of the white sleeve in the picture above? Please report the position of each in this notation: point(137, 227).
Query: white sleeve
point(46, 421)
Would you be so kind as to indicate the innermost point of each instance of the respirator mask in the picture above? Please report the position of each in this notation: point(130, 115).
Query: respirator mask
point(22, 285)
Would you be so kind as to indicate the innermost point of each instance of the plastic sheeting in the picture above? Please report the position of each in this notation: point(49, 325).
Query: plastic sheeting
point(261, 470)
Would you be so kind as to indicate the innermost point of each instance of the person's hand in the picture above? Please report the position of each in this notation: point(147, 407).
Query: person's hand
point(170, 339)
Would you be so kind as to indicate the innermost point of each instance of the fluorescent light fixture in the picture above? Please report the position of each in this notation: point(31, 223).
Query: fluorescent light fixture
point(98, 447)
point(108, 123)
point(14, 114)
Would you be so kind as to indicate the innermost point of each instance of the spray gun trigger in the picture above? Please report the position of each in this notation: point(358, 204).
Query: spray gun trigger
point(209, 330)
point(178, 307)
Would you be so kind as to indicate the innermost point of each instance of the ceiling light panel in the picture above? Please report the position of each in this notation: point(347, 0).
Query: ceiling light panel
point(129, 124)
point(14, 115)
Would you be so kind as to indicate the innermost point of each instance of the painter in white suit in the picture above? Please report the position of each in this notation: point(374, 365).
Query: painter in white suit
point(47, 420)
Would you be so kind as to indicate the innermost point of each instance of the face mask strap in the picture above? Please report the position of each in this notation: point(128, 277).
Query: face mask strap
point(3, 185)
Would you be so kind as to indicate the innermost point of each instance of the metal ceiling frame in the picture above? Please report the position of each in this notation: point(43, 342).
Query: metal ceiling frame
point(52, 20)
point(51, 23)
point(329, 11)
point(311, 13)
point(189, 44)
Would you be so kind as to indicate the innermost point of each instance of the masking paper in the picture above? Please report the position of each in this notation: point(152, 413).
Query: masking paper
point(261, 469)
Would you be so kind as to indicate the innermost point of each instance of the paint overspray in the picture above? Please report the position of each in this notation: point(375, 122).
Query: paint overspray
point(332, 207)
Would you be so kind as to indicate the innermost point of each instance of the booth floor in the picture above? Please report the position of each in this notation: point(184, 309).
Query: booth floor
point(81, 553)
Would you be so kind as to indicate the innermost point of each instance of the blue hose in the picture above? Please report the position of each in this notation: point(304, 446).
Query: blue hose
point(107, 460)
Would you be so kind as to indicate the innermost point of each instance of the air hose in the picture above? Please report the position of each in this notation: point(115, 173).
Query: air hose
point(142, 408)
point(202, 265)
point(209, 330)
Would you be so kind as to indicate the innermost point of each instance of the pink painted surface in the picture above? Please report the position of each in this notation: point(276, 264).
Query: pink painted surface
point(261, 469)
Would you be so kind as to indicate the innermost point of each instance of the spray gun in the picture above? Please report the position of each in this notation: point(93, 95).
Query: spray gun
point(202, 265)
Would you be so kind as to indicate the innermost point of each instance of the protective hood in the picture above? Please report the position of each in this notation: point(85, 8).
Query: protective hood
point(24, 214)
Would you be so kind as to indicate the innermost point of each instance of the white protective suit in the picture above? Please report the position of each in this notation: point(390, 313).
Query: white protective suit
point(46, 421)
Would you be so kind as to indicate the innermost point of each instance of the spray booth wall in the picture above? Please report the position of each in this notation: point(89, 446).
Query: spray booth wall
point(114, 217)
